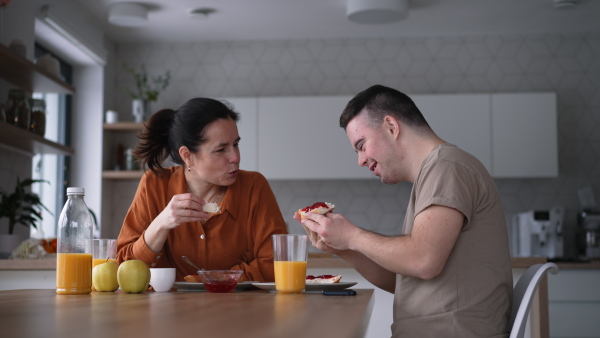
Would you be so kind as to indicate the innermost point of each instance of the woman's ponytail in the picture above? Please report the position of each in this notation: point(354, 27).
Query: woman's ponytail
point(153, 147)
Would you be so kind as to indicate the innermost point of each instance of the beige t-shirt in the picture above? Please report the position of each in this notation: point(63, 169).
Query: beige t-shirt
point(472, 296)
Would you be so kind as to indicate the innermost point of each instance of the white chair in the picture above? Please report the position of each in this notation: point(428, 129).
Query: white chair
point(523, 295)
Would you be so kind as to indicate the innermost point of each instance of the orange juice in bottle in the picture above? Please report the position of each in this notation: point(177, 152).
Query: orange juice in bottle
point(74, 250)
point(76, 273)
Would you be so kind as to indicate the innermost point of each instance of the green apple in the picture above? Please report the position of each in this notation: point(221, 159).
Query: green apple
point(133, 276)
point(104, 276)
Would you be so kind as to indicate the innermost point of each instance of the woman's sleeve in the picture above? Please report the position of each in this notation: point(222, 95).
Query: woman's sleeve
point(130, 243)
point(267, 221)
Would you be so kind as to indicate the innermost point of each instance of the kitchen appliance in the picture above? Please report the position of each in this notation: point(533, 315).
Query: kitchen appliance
point(588, 225)
point(588, 240)
point(538, 233)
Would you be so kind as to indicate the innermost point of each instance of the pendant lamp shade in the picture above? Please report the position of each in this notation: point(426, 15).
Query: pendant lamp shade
point(376, 11)
point(128, 14)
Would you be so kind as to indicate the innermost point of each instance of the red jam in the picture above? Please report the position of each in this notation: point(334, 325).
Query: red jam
point(220, 286)
point(316, 206)
point(310, 277)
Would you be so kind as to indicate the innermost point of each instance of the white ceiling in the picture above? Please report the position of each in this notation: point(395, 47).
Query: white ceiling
point(310, 19)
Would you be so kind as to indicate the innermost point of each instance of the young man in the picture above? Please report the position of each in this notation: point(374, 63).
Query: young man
point(450, 270)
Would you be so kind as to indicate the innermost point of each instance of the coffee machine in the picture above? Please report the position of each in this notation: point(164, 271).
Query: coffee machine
point(588, 226)
point(588, 238)
point(538, 233)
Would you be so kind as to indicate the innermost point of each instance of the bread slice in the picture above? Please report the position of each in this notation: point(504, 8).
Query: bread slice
point(323, 279)
point(317, 208)
point(211, 208)
point(193, 279)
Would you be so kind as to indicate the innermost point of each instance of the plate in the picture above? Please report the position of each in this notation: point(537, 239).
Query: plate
point(310, 287)
point(185, 286)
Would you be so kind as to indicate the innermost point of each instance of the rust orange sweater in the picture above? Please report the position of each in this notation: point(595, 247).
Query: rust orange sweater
point(237, 238)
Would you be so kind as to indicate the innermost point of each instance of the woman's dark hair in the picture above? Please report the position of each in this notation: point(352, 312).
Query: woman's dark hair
point(379, 101)
point(167, 130)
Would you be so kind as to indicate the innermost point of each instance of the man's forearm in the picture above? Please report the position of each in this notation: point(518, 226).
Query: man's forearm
point(373, 272)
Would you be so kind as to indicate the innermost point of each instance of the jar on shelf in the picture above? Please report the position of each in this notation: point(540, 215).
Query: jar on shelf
point(17, 109)
point(37, 123)
point(130, 160)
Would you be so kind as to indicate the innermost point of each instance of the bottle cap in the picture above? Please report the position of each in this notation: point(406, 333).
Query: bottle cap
point(75, 191)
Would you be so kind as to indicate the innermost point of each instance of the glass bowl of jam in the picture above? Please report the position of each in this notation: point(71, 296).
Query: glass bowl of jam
point(220, 281)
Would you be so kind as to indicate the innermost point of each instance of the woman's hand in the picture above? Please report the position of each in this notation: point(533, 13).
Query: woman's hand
point(182, 208)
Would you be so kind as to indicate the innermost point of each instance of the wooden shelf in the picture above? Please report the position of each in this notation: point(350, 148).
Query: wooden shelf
point(124, 126)
point(28, 143)
point(26, 75)
point(122, 174)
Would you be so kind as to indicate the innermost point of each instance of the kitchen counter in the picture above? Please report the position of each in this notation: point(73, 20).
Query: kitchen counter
point(43, 313)
point(315, 260)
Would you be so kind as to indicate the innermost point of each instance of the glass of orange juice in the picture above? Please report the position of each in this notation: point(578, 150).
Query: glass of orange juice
point(103, 250)
point(289, 259)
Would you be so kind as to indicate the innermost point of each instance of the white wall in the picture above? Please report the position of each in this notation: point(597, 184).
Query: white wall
point(86, 132)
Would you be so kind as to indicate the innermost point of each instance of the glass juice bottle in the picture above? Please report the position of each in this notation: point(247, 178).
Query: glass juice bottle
point(74, 251)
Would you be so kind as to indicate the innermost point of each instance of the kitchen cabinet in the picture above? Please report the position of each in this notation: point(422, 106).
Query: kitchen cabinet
point(514, 135)
point(24, 74)
point(574, 303)
point(524, 135)
point(461, 119)
point(300, 138)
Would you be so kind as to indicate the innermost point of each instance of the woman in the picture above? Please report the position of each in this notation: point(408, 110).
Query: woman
point(166, 221)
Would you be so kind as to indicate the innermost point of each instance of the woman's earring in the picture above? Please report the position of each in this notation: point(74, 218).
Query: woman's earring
point(189, 168)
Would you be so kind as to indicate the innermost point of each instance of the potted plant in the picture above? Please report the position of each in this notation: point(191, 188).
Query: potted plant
point(20, 207)
point(146, 89)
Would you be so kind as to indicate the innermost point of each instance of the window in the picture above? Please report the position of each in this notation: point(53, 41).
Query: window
point(53, 168)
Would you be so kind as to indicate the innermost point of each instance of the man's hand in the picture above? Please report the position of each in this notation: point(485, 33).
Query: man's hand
point(330, 232)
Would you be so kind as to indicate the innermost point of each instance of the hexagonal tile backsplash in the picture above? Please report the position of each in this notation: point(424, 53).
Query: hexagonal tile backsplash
point(568, 64)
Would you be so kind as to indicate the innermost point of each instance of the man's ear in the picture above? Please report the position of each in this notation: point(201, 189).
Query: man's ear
point(391, 125)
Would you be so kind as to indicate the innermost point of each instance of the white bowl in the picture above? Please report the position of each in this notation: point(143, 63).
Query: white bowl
point(162, 279)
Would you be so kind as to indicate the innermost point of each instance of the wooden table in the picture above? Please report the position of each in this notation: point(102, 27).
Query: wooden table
point(243, 314)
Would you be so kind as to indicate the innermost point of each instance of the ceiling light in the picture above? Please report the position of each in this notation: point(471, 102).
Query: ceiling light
point(201, 13)
point(128, 14)
point(564, 3)
point(376, 11)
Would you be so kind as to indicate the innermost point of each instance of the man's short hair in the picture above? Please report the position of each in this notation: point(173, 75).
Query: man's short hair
point(378, 101)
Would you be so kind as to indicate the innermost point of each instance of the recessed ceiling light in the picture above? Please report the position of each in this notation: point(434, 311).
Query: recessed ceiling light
point(201, 13)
